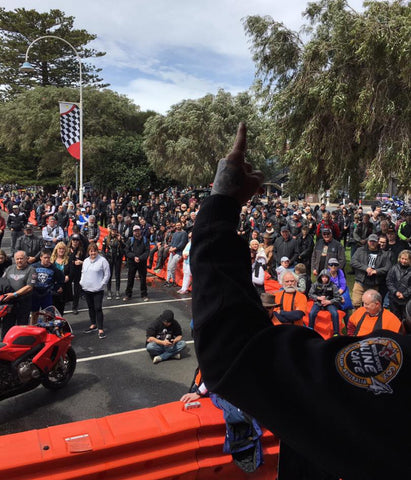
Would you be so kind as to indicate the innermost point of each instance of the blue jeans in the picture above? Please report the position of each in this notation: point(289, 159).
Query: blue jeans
point(334, 316)
point(165, 352)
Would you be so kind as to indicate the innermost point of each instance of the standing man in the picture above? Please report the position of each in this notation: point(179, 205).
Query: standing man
point(30, 244)
point(325, 248)
point(165, 338)
point(178, 242)
point(371, 266)
point(15, 223)
point(136, 252)
point(52, 234)
point(21, 278)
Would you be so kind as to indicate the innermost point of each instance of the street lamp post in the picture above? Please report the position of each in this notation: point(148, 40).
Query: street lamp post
point(27, 67)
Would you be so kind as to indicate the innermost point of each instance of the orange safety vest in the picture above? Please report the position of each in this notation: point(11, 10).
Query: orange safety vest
point(365, 324)
point(290, 302)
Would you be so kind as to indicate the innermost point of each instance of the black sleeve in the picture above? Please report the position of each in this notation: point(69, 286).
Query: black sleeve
point(292, 381)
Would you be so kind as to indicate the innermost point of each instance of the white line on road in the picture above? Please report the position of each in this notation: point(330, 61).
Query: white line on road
point(138, 303)
point(117, 354)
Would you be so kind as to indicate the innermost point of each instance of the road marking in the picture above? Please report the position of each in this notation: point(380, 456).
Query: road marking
point(117, 354)
point(156, 302)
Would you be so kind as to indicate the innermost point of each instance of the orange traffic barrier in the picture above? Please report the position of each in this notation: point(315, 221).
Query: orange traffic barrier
point(161, 443)
point(323, 324)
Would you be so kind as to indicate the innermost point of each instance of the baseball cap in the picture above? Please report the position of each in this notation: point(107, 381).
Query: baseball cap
point(326, 230)
point(333, 261)
point(28, 226)
point(373, 238)
point(75, 237)
point(285, 229)
point(136, 227)
point(15, 206)
point(284, 259)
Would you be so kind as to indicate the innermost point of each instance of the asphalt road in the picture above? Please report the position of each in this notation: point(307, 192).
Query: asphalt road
point(113, 375)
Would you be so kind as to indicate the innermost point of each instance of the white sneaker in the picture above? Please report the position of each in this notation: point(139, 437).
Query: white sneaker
point(177, 356)
point(157, 359)
point(108, 295)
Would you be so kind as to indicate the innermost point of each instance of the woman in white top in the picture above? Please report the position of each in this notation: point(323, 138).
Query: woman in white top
point(95, 274)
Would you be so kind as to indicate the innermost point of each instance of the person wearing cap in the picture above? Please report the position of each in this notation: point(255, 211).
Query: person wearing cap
point(338, 278)
point(113, 248)
point(326, 296)
point(325, 248)
point(136, 252)
point(372, 317)
point(285, 246)
point(371, 266)
point(15, 223)
point(284, 265)
point(30, 244)
point(327, 222)
point(164, 338)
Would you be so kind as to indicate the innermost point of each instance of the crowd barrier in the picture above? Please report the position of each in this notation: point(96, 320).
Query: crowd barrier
point(160, 443)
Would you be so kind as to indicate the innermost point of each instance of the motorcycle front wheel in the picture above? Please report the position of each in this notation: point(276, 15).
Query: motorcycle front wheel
point(62, 372)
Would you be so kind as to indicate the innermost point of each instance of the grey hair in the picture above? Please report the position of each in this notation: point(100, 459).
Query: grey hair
point(290, 272)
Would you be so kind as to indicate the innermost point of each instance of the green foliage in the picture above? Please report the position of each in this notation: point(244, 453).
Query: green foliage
point(186, 144)
point(340, 103)
point(113, 126)
point(54, 61)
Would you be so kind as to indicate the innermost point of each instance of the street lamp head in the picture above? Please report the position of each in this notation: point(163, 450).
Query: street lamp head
point(27, 67)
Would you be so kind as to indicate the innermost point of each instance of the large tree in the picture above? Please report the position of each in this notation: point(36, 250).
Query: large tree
point(187, 143)
point(54, 61)
point(340, 101)
point(113, 127)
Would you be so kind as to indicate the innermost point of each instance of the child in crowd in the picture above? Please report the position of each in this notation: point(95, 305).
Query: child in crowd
point(284, 265)
point(326, 297)
point(303, 280)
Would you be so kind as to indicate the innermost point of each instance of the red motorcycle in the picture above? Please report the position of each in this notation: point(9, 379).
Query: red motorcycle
point(31, 355)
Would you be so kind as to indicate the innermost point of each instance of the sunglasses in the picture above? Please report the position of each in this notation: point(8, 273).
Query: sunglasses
point(333, 264)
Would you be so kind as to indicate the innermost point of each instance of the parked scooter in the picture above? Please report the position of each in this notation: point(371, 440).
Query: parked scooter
point(31, 355)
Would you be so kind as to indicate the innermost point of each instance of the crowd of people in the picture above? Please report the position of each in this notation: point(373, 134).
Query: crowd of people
point(60, 239)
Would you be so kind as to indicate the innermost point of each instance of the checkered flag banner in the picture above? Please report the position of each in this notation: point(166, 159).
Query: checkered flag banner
point(70, 127)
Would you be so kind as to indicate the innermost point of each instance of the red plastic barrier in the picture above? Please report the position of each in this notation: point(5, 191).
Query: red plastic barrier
point(323, 324)
point(160, 443)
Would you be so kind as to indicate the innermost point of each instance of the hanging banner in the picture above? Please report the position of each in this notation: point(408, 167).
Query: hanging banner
point(70, 127)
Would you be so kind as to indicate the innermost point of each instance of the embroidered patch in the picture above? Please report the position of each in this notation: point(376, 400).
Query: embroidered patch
point(370, 364)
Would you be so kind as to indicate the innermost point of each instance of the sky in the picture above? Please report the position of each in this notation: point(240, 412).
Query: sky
point(160, 52)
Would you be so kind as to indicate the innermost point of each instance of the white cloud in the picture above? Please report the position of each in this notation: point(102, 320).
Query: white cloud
point(160, 52)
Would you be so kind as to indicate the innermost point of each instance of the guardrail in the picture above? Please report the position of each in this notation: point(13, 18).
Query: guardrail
point(161, 443)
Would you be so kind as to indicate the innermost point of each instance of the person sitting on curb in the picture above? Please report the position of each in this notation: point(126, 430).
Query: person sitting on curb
point(164, 338)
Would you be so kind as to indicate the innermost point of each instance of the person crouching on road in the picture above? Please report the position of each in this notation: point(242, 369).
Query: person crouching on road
point(164, 338)
point(326, 297)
